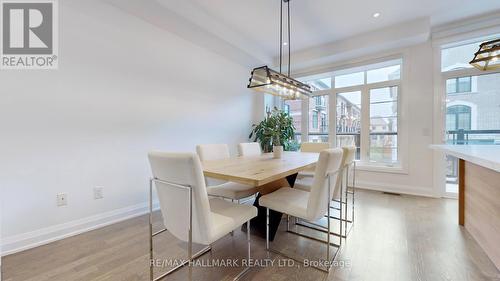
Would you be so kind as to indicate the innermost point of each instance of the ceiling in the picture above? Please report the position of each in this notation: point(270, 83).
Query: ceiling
point(252, 26)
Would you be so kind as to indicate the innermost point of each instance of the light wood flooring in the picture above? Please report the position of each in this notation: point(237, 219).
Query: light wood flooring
point(394, 238)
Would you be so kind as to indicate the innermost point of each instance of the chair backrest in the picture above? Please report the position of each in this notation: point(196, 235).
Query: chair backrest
point(212, 151)
point(347, 158)
point(314, 146)
point(329, 162)
point(351, 154)
point(182, 169)
point(249, 149)
point(208, 152)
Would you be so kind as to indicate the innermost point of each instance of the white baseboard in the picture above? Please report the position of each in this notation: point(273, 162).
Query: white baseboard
point(25, 241)
point(397, 188)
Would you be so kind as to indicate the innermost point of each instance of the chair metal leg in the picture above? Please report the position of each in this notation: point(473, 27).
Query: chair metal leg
point(184, 263)
point(343, 219)
point(267, 228)
point(232, 232)
point(328, 226)
point(318, 227)
point(327, 242)
point(246, 269)
point(353, 188)
point(190, 239)
point(248, 239)
point(151, 269)
point(340, 213)
point(287, 222)
point(346, 198)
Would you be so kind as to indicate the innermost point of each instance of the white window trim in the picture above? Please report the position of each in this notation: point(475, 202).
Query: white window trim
point(439, 126)
point(402, 167)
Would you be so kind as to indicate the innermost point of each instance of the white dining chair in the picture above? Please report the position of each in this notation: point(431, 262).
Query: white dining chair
point(249, 149)
point(349, 165)
point(316, 147)
point(188, 213)
point(225, 189)
point(213, 152)
point(312, 205)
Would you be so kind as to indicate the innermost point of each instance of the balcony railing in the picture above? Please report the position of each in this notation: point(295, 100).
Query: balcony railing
point(463, 137)
point(473, 137)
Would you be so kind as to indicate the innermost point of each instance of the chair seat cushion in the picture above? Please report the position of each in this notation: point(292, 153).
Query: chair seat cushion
point(287, 200)
point(231, 190)
point(227, 216)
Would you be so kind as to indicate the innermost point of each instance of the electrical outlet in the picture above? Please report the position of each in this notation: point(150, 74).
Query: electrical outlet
point(98, 192)
point(62, 199)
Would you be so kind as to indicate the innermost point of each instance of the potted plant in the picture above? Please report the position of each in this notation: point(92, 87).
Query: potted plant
point(275, 133)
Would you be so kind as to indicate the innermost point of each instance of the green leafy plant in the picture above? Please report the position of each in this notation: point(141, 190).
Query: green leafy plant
point(275, 130)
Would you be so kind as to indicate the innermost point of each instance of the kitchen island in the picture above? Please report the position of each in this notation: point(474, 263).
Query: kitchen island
point(479, 193)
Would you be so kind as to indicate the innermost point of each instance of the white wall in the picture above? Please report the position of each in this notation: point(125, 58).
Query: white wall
point(123, 88)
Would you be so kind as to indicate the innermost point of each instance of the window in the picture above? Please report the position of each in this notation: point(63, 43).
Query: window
point(384, 125)
point(459, 85)
point(472, 114)
point(477, 113)
point(349, 120)
point(320, 100)
point(373, 73)
point(473, 117)
point(458, 117)
point(455, 58)
point(315, 120)
point(366, 110)
point(348, 80)
point(383, 74)
point(286, 109)
point(318, 84)
point(378, 143)
point(294, 109)
point(318, 114)
point(323, 124)
point(458, 56)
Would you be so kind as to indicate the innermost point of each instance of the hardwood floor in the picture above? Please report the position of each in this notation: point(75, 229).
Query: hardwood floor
point(394, 238)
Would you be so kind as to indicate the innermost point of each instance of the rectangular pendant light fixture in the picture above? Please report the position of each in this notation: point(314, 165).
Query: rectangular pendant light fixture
point(264, 79)
point(488, 56)
point(269, 81)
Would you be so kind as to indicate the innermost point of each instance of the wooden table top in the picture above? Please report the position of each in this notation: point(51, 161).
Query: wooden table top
point(259, 170)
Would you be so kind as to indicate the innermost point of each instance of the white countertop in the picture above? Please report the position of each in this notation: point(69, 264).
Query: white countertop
point(487, 156)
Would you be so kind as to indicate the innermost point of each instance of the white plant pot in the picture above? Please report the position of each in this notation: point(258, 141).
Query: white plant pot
point(278, 151)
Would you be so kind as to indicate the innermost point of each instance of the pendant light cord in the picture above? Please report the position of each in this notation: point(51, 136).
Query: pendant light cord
point(281, 31)
point(281, 35)
point(289, 43)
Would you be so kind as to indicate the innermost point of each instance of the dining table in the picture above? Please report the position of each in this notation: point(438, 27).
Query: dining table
point(267, 174)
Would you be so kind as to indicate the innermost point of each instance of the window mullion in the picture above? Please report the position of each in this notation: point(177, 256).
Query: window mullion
point(305, 121)
point(365, 124)
point(332, 122)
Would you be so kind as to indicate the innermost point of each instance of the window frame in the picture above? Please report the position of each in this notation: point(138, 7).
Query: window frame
point(364, 161)
point(370, 126)
point(440, 96)
point(401, 167)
